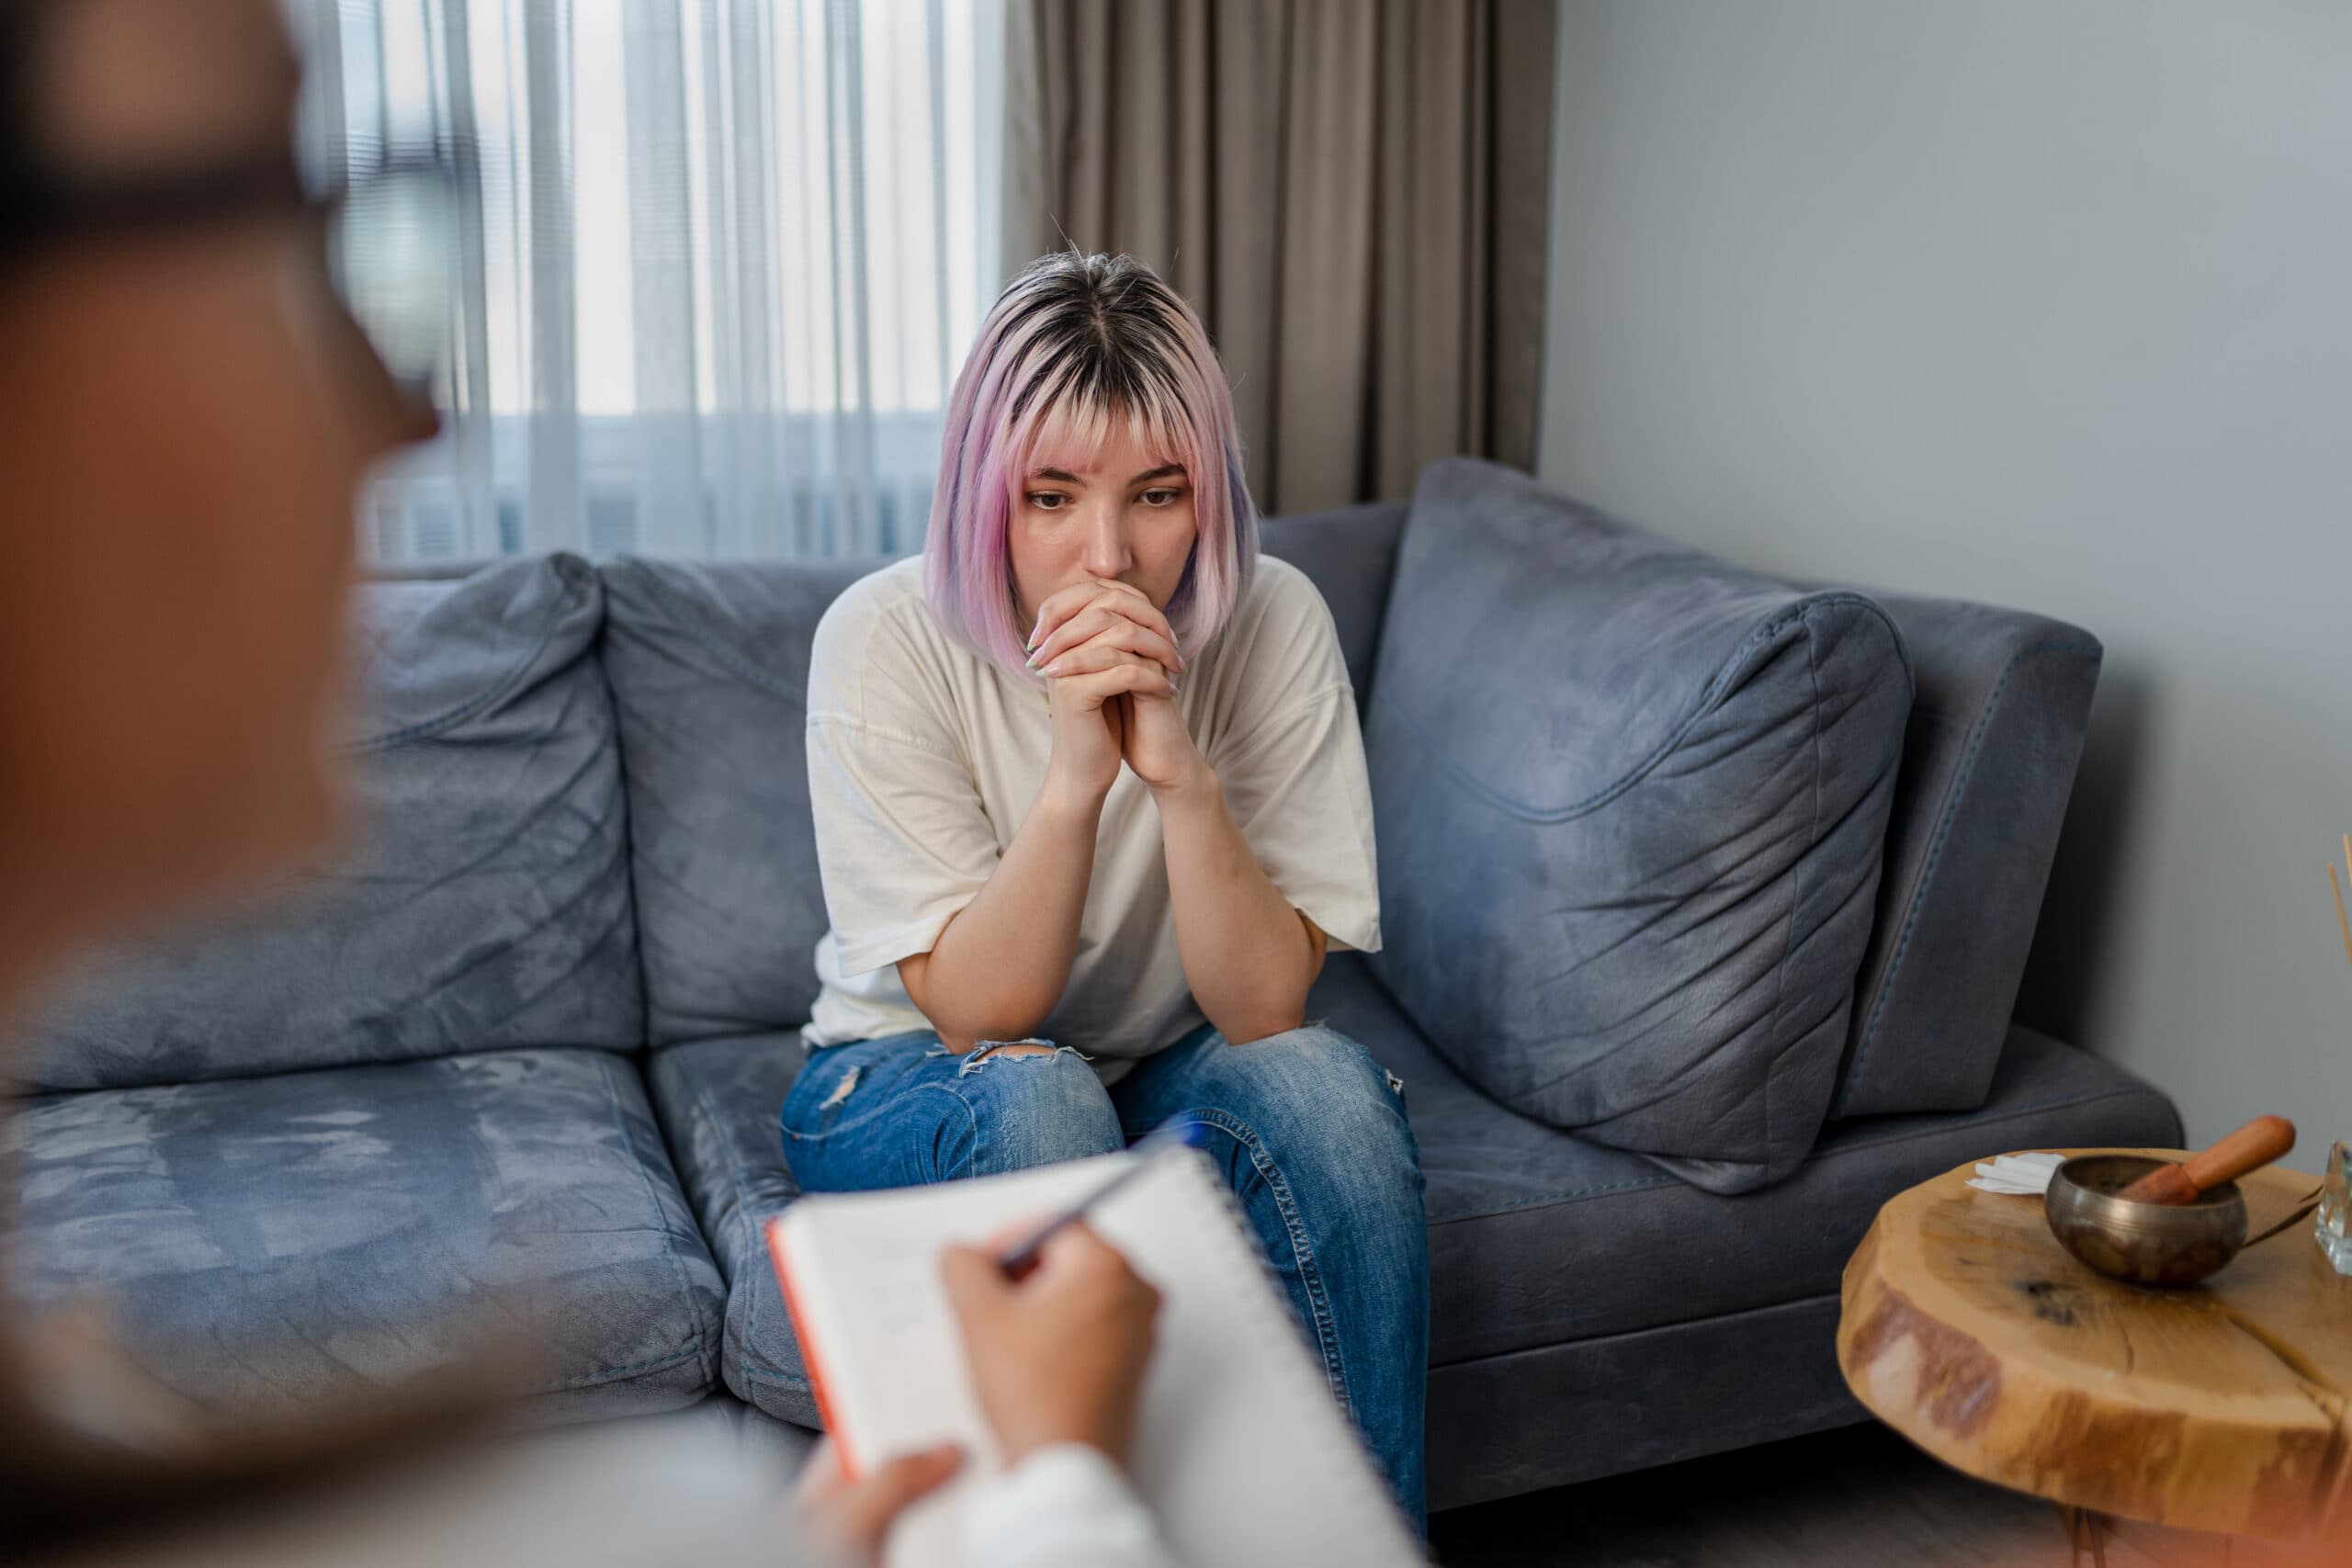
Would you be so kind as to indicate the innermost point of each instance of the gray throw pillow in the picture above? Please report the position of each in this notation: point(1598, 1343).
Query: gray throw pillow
point(1631, 804)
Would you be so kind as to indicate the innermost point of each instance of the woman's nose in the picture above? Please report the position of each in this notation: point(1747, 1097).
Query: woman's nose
point(1107, 553)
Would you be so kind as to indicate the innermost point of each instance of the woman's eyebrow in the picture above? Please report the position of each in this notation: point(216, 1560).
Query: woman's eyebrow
point(1064, 475)
point(1165, 470)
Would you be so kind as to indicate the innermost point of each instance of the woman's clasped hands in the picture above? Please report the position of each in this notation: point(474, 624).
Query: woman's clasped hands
point(1111, 669)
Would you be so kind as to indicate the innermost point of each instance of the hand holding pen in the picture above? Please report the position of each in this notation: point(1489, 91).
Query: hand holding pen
point(1057, 1327)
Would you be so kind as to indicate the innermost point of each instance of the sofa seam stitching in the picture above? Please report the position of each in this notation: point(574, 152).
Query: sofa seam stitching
point(481, 700)
point(1788, 938)
point(669, 1238)
point(693, 1351)
point(760, 1373)
point(670, 605)
point(1952, 799)
point(1718, 685)
point(735, 1179)
point(1575, 1193)
point(629, 834)
point(1822, 1298)
point(2013, 1115)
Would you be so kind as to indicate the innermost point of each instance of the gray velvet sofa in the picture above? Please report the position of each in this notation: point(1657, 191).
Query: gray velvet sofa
point(1739, 878)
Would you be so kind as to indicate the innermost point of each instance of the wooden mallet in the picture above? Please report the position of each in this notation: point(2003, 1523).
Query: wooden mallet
point(2255, 1144)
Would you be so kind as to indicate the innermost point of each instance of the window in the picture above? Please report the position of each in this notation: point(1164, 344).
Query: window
point(715, 276)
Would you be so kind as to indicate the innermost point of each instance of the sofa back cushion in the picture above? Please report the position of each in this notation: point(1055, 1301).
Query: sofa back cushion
point(485, 901)
point(1631, 803)
point(709, 667)
point(1350, 554)
point(1996, 734)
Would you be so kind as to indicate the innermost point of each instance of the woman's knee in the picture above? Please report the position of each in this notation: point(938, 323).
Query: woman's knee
point(1321, 1093)
point(1027, 1107)
point(903, 1113)
point(1315, 1060)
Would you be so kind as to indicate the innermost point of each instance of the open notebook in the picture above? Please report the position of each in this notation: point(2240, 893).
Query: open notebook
point(1239, 1448)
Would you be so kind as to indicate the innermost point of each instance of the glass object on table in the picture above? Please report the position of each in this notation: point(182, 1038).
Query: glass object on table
point(2333, 1228)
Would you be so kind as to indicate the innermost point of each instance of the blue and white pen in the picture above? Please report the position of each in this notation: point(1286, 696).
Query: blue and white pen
point(1176, 1133)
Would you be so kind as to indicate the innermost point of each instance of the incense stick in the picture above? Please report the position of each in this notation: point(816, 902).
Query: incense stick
point(2341, 923)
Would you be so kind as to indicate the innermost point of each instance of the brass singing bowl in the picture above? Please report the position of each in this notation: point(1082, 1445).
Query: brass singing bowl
point(2144, 1244)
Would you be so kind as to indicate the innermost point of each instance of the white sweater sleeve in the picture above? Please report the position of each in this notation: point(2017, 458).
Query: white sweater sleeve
point(1064, 1506)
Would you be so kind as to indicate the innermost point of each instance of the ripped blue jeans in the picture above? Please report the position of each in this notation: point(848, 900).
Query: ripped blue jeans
point(1306, 1126)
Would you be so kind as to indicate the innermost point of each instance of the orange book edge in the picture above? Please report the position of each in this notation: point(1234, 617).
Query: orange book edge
point(811, 1361)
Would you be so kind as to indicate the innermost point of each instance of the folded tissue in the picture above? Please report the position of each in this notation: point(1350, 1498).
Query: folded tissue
point(2025, 1175)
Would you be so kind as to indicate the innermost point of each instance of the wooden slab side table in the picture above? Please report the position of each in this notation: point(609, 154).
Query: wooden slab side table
point(2219, 1407)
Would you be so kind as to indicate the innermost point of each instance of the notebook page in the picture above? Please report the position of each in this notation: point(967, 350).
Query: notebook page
point(1241, 1448)
point(865, 1267)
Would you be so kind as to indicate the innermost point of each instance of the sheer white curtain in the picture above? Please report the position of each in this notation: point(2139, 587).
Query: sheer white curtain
point(717, 274)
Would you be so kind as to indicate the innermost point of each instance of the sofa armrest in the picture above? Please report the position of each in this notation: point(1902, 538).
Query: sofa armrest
point(1995, 732)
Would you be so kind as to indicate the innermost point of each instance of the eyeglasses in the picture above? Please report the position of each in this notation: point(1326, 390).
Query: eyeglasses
point(392, 254)
point(391, 229)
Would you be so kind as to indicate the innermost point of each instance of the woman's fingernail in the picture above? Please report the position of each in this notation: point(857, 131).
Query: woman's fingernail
point(1053, 669)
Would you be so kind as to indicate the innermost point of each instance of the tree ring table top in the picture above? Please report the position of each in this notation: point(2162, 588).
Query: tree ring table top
point(2221, 1406)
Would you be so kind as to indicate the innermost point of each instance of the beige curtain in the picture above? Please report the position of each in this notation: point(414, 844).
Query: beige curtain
point(1353, 193)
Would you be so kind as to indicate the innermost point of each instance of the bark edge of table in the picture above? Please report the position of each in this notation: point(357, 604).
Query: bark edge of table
point(1967, 1328)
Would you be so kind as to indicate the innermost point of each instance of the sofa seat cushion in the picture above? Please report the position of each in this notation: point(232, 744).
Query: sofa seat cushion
point(1540, 1237)
point(1632, 802)
point(719, 1101)
point(270, 1240)
point(1537, 1237)
point(484, 903)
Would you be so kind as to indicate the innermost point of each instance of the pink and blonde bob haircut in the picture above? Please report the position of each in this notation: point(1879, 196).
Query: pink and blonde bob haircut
point(1073, 344)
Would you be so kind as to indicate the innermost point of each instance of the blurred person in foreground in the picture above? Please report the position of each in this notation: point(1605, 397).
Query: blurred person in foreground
point(187, 410)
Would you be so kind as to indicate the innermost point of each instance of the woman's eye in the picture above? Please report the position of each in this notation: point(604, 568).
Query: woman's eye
point(1160, 497)
point(1048, 500)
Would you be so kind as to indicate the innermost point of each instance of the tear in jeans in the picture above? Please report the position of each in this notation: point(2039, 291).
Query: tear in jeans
point(983, 1052)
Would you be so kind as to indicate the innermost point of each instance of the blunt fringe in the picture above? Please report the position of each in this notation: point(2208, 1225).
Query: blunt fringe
point(1076, 347)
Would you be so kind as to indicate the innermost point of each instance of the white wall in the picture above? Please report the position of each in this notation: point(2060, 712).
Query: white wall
point(2043, 302)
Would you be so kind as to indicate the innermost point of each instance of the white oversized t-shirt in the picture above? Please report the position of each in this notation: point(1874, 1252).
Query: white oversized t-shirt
point(923, 759)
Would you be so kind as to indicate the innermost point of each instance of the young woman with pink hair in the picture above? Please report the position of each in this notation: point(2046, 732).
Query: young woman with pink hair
point(1091, 803)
